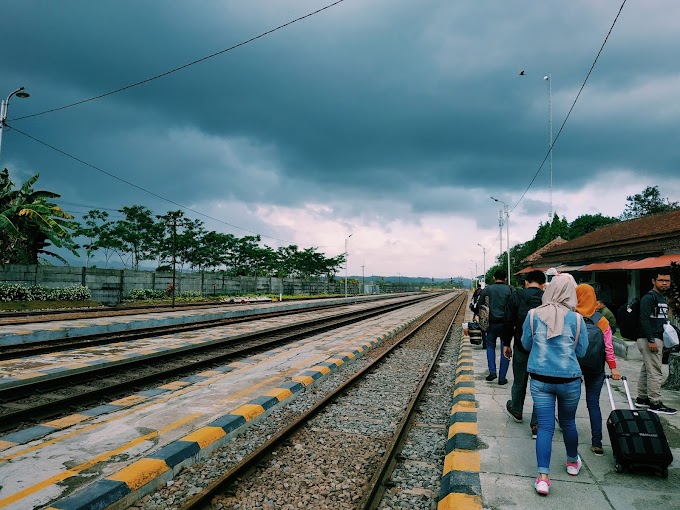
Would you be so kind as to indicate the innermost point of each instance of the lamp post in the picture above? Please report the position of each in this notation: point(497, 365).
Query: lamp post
point(4, 105)
point(484, 252)
point(548, 78)
point(347, 239)
point(507, 232)
point(476, 268)
point(471, 277)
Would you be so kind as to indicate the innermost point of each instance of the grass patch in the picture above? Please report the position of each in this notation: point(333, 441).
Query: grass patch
point(20, 306)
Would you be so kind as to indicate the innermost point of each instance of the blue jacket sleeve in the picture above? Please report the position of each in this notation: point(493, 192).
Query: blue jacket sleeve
point(582, 346)
point(527, 337)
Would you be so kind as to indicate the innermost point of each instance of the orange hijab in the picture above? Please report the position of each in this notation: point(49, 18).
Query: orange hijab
point(587, 304)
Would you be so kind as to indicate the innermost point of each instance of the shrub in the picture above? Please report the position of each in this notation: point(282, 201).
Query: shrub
point(142, 294)
point(17, 292)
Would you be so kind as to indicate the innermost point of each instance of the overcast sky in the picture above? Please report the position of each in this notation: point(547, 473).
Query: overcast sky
point(391, 120)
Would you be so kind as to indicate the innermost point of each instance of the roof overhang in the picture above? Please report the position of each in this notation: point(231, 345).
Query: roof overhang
point(652, 262)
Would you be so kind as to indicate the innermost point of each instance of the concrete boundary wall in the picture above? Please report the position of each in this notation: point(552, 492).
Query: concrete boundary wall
point(111, 286)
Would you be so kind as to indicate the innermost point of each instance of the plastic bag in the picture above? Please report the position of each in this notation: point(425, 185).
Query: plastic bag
point(670, 336)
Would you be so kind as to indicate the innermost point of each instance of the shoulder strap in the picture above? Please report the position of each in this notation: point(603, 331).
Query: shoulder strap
point(531, 321)
point(578, 328)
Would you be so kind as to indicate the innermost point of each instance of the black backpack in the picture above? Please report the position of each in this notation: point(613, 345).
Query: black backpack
point(593, 361)
point(628, 319)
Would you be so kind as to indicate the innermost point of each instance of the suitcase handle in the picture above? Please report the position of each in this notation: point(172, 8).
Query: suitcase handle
point(625, 386)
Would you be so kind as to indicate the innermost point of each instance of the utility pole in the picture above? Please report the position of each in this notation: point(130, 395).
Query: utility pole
point(363, 278)
point(171, 219)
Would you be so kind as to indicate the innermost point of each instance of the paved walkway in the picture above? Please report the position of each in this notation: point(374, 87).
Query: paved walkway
point(508, 456)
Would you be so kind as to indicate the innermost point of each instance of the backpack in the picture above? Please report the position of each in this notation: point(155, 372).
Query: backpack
point(628, 319)
point(484, 314)
point(592, 362)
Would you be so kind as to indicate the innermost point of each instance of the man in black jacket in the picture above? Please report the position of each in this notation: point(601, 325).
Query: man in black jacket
point(498, 293)
point(653, 315)
point(521, 302)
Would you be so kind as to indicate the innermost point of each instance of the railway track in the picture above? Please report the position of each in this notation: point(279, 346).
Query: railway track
point(339, 452)
point(52, 346)
point(23, 404)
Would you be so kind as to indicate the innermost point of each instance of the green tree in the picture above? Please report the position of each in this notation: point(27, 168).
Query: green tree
point(587, 223)
point(138, 235)
point(646, 203)
point(31, 223)
point(96, 230)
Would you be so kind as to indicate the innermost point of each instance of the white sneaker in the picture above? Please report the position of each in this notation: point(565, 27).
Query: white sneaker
point(574, 467)
point(542, 486)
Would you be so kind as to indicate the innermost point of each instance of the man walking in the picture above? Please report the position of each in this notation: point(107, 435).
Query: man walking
point(498, 293)
point(653, 315)
point(520, 303)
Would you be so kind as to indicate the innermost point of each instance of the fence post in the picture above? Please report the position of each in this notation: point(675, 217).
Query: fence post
point(121, 284)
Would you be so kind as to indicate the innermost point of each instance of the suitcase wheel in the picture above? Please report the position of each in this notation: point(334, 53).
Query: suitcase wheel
point(618, 467)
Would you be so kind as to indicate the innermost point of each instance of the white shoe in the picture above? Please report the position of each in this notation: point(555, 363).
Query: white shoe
point(574, 467)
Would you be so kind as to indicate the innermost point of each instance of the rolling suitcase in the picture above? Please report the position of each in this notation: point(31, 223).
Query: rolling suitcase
point(637, 437)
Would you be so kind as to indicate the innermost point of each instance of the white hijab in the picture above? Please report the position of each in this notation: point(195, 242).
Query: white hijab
point(558, 299)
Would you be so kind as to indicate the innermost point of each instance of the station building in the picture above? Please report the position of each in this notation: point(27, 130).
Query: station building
point(618, 260)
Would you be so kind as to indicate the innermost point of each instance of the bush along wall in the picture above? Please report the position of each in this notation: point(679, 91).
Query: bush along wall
point(17, 292)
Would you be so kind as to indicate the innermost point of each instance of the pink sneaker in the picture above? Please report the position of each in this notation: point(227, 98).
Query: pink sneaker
point(542, 486)
point(574, 467)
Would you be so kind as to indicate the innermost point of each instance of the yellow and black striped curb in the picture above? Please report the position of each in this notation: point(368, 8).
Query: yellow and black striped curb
point(461, 486)
point(149, 473)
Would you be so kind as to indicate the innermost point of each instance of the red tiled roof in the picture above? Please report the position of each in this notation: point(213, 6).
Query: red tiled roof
point(537, 254)
point(633, 239)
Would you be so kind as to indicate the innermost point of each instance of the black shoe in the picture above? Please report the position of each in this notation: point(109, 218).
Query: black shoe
point(501, 382)
point(642, 403)
point(517, 416)
point(659, 408)
point(490, 377)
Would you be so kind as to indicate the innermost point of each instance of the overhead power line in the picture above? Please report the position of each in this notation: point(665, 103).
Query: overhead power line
point(166, 73)
point(139, 187)
point(572, 106)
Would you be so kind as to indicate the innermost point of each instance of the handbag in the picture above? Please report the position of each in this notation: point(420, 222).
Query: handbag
point(483, 315)
point(670, 336)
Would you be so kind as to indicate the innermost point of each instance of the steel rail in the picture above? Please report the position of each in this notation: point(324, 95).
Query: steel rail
point(57, 345)
point(251, 461)
point(372, 498)
point(60, 405)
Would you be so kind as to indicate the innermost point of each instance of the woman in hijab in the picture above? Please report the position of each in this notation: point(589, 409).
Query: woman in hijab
point(587, 306)
point(555, 336)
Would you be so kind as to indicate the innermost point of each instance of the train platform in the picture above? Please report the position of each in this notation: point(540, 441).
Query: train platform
point(493, 466)
point(116, 453)
point(18, 372)
point(28, 333)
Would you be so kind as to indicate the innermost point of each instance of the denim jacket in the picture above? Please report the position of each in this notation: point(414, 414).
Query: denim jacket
point(557, 356)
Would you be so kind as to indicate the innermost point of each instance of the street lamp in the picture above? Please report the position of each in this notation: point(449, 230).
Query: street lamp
point(347, 239)
point(471, 277)
point(476, 269)
point(548, 78)
point(484, 252)
point(507, 232)
point(5, 104)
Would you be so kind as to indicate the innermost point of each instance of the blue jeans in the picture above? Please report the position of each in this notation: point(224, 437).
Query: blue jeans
point(593, 389)
point(567, 396)
point(495, 331)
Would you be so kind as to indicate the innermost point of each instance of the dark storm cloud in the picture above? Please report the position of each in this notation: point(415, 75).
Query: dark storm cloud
point(405, 100)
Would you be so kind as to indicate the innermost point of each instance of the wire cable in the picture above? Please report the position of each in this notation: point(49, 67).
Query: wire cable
point(176, 69)
point(572, 106)
point(64, 153)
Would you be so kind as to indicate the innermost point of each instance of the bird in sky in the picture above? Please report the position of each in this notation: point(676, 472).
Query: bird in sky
point(521, 73)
